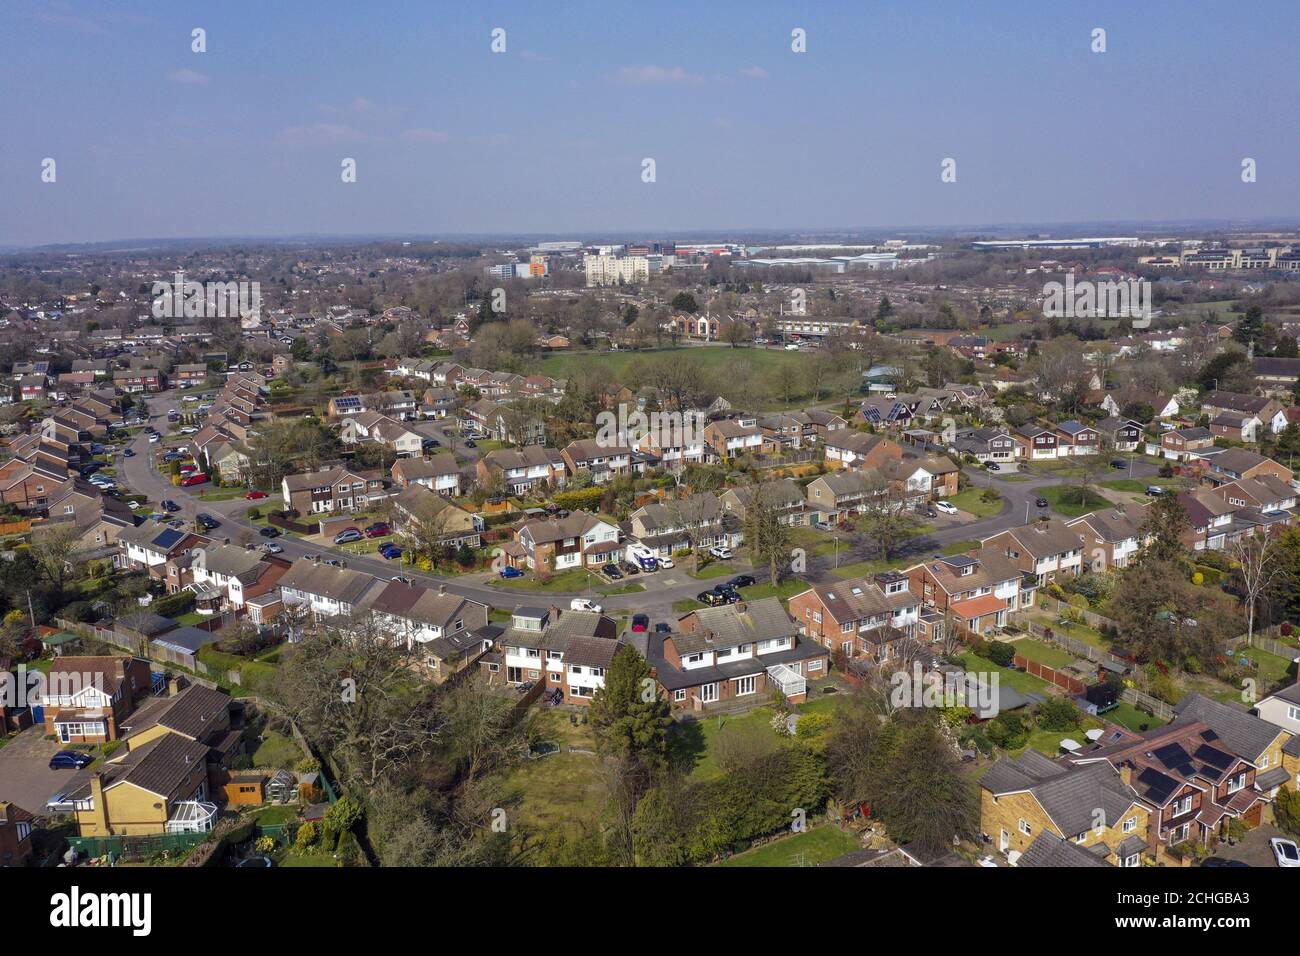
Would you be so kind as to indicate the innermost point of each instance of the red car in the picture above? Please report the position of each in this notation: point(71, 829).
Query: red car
point(377, 531)
point(194, 480)
point(254, 495)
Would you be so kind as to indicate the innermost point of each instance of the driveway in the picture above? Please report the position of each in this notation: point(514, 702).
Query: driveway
point(1254, 849)
point(25, 775)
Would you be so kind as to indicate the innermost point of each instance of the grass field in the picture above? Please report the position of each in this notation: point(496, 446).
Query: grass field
point(1064, 499)
point(970, 502)
point(1016, 680)
point(1041, 653)
point(1126, 715)
point(572, 579)
point(800, 849)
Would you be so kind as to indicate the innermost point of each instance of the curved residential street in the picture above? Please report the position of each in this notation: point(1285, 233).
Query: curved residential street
point(663, 588)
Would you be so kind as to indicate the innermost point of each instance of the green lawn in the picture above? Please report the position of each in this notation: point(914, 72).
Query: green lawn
point(970, 502)
point(563, 790)
point(1064, 499)
point(1126, 715)
point(800, 849)
point(714, 569)
point(1272, 668)
point(571, 579)
point(702, 735)
point(787, 589)
point(686, 605)
point(1041, 653)
point(1016, 680)
point(861, 568)
point(624, 589)
point(277, 750)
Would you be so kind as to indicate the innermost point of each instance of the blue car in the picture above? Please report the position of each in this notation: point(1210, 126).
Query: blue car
point(391, 551)
point(509, 572)
point(70, 760)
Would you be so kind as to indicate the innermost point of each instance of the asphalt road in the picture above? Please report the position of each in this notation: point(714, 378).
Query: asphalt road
point(663, 588)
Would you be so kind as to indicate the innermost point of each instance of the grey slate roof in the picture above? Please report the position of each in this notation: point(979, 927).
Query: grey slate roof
point(1245, 735)
point(1050, 850)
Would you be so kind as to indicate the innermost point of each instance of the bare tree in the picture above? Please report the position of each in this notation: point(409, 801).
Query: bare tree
point(1258, 565)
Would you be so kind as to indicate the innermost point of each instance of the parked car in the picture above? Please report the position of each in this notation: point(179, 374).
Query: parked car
point(647, 562)
point(947, 507)
point(511, 572)
point(629, 568)
point(1155, 491)
point(1119, 464)
point(70, 760)
point(1285, 852)
point(206, 521)
point(390, 551)
point(398, 579)
point(1222, 861)
point(470, 443)
point(728, 592)
point(992, 466)
point(640, 622)
point(90, 468)
point(270, 548)
point(170, 506)
point(711, 597)
point(336, 563)
point(198, 479)
point(721, 552)
point(347, 535)
point(741, 581)
point(1040, 502)
point(377, 530)
point(128, 454)
point(663, 627)
point(255, 495)
point(154, 439)
point(269, 532)
point(665, 563)
point(612, 572)
point(584, 604)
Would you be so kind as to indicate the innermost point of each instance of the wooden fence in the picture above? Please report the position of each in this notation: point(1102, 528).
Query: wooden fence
point(1076, 647)
point(1144, 701)
point(1066, 682)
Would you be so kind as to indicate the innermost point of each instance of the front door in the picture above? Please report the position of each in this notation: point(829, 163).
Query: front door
point(1004, 841)
point(63, 733)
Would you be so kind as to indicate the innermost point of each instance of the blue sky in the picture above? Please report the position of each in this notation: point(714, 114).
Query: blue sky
point(153, 140)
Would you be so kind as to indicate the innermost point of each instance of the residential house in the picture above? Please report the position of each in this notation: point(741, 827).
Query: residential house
point(1182, 444)
point(985, 444)
point(1113, 537)
point(602, 460)
point(16, 825)
point(382, 430)
point(88, 699)
point(678, 524)
point(522, 469)
point(149, 546)
point(1035, 442)
point(1075, 438)
point(331, 491)
point(717, 655)
point(326, 591)
point(160, 787)
point(1233, 464)
point(1092, 806)
point(731, 439)
point(1123, 434)
point(418, 615)
point(1265, 745)
point(421, 515)
point(977, 591)
point(440, 473)
point(854, 449)
point(859, 618)
point(784, 496)
point(556, 544)
point(1045, 549)
point(1265, 409)
point(569, 650)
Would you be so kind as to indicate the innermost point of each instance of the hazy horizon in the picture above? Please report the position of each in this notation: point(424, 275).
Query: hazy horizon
point(245, 141)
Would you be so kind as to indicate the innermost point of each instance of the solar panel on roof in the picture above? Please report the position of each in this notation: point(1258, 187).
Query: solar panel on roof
point(168, 538)
point(959, 561)
point(1214, 757)
point(1157, 785)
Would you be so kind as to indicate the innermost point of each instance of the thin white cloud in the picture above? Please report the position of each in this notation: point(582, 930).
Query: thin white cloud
point(186, 77)
point(754, 72)
point(421, 135)
point(651, 75)
point(319, 134)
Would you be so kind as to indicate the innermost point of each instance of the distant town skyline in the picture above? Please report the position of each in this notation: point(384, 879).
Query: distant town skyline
point(550, 136)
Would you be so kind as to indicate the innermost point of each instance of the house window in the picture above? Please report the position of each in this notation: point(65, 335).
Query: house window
point(1237, 783)
point(1025, 828)
point(1130, 824)
point(816, 665)
point(744, 686)
point(679, 695)
point(1132, 860)
point(694, 658)
point(1293, 713)
point(493, 668)
point(1183, 806)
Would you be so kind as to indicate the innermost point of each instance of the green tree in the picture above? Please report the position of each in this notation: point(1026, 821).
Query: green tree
point(630, 718)
point(685, 302)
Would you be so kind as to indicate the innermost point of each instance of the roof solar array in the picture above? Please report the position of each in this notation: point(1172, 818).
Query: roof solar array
point(168, 538)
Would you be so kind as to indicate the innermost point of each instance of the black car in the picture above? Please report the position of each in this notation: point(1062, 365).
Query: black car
point(470, 443)
point(663, 627)
point(1220, 861)
point(206, 521)
point(1040, 502)
point(70, 760)
point(269, 532)
point(741, 581)
point(1119, 464)
point(711, 597)
point(612, 572)
point(729, 594)
point(629, 568)
point(170, 506)
point(90, 468)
